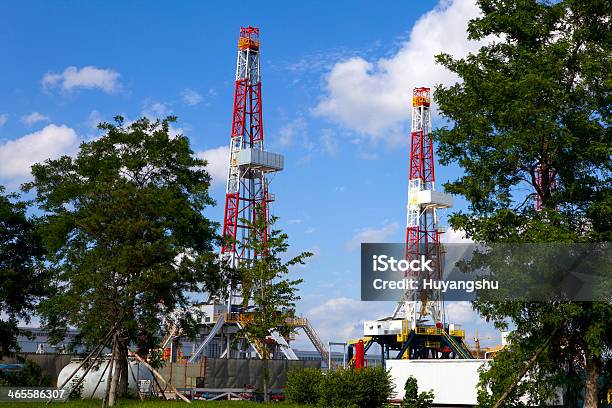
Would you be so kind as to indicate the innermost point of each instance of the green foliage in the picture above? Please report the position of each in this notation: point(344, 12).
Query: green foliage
point(303, 386)
point(24, 280)
point(368, 387)
point(124, 230)
point(30, 376)
point(536, 97)
point(264, 281)
point(414, 399)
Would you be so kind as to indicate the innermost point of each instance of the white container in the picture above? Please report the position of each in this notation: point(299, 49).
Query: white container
point(453, 382)
point(382, 327)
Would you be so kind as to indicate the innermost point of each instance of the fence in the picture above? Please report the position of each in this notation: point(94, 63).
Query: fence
point(231, 373)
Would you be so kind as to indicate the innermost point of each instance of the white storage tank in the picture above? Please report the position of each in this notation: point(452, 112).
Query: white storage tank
point(94, 384)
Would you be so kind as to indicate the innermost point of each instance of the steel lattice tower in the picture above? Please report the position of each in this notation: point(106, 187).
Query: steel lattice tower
point(422, 232)
point(247, 186)
point(417, 328)
point(247, 189)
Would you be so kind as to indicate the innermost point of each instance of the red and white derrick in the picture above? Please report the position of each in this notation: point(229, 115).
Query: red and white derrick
point(249, 162)
point(422, 226)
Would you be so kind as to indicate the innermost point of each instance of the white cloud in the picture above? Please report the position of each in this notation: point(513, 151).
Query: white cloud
point(372, 235)
point(86, 78)
point(94, 119)
point(17, 156)
point(294, 221)
point(310, 230)
point(156, 110)
point(342, 318)
point(460, 312)
point(191, 97)
point(218, 160)
point(294, 131)
point(374, 97)
point(33, 118)
point(453, 236)
point(329, 143)
point(3, 119)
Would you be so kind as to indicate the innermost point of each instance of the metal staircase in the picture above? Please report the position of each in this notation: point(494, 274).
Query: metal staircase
point(171, 333)
point(316, 341)
point(456, 346)
point(213, 332)
point(284, 346)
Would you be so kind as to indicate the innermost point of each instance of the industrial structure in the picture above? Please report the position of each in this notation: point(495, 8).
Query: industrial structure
point(417, 329)
point(247, 197)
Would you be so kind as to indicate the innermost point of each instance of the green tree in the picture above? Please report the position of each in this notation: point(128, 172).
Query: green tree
point(31, 375)
point(125, 233)
point(412, 397)
point(536, 97)
point(266, 287)
point(24, 280)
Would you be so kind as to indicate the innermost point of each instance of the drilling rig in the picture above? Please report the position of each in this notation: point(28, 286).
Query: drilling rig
point(417, 329)
point(247, 197)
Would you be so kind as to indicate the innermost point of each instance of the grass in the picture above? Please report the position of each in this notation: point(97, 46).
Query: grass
point(153, 403)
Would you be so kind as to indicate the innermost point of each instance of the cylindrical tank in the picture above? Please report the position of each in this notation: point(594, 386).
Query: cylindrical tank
point(359, 354)
point(94, 384)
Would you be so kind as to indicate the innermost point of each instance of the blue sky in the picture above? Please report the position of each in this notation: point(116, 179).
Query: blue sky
point(337, 80)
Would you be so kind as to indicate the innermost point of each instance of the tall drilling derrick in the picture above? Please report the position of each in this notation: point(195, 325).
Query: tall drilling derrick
point(247, 187)
point(417, 328)
point(422, 233)
point(247, 190)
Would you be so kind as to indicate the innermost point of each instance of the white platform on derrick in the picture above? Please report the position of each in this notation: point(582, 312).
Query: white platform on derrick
point(265, 161)
point(432, 198)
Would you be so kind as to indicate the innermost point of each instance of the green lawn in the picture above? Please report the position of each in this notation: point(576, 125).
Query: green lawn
point(147, 404)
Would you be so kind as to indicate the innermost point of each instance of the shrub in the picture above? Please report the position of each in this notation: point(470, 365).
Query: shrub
point(303, 386)
point(31, 375)
point(365, 388)
point(412, 398)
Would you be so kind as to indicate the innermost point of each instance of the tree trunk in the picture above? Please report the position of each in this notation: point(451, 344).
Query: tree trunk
point(122, 365)
point(591, 386)
point(105, 400)
point(265, 380)
point(524, 370)
point(116, 373)
point(571, 394)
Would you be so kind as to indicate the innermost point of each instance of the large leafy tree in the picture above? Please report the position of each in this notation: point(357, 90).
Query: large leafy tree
point(536, 98)
point(23, 280)
point(266, 287)
point(125, 233)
